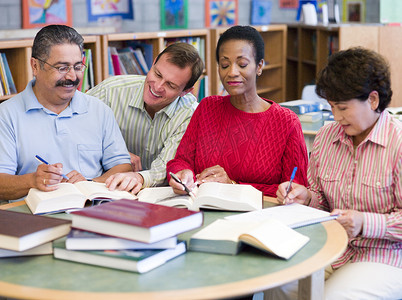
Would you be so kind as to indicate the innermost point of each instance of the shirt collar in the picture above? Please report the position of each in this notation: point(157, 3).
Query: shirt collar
point(76, 106)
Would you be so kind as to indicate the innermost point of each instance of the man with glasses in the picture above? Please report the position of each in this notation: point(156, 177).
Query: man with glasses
point(74, 132)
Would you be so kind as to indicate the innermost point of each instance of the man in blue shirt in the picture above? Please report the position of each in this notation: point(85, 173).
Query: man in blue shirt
point(76, 133)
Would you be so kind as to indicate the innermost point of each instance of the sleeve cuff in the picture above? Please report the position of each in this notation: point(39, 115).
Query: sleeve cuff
point(147, 178)
point(374, 225)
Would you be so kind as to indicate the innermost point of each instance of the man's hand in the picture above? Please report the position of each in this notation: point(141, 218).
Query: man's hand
point(128, 181)
point(135, 162)
point(47, 177)
point(74, 176)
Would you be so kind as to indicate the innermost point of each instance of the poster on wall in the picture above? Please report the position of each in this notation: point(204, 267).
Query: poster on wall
point(354, 11)
point(98, 9)
point(38, 13)
point(221, 13)
point(173, 14)
point(288, 3)
point(261, 12)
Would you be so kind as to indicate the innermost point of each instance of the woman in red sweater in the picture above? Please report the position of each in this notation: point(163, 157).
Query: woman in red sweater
point(240, 138)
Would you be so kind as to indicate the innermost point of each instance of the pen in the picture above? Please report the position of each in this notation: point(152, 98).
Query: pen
point(290, 181)
point(40, 159)
point(175, 178)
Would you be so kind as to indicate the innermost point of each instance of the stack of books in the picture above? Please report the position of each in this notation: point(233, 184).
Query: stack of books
point(309, 110)
point(127, 235)
point(23, 234)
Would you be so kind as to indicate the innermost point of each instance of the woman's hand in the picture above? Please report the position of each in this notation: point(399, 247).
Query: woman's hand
point(213, 174)
point(351, 220)
point(186, 176)
point(297, 194)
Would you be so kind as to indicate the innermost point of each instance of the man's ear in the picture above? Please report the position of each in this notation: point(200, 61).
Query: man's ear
point(185, 92)
point(374, 100)
point(35, 66)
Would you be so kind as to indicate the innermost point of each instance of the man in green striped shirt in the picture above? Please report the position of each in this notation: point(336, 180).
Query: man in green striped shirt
point(153, 112)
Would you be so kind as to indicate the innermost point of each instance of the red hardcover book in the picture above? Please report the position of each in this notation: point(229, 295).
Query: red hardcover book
point(138, 221)
point(20, 231)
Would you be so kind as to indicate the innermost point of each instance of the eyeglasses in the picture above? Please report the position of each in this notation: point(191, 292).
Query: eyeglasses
point(65, 69)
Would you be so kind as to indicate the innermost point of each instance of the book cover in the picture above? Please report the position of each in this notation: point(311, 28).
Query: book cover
point(69, 196)
point(210, 195)
point(138, 221)
point(140, 261)
point(85, 240)
point(10, 80)
point(20, 231)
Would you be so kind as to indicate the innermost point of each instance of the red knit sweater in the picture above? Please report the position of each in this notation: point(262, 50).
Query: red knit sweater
point(260, 149)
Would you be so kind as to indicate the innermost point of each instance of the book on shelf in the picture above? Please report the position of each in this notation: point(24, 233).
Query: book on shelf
point(69, 196)
point(43, 249)
point(9, 76)
point(228, 236)
point(21, 231)
point(117, 66)
point(209, 195)
point(294, 215)
point(305, 106)
point(85, 240)
point(139, 261)
point(146, 49)
point(3, 77)
point(141, 60)
point(110, 63)
point(137, 221)
point(127, 59)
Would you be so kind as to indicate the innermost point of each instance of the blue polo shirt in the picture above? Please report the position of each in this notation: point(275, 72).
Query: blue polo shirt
point(84, 137)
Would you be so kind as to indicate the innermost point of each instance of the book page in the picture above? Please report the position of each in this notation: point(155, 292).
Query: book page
point(294, 215)
point(164, 195)
point(229, 196)
point(63, 190)
point(93, 189)
point(275, 237)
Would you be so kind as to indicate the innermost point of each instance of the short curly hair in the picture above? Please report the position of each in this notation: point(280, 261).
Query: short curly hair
point(244, 33)
point(354, 74)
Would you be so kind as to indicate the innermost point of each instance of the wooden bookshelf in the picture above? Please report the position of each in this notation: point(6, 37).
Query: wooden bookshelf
point(310, 46)
point(18, 53)
point(158, 41)
point(272, 83)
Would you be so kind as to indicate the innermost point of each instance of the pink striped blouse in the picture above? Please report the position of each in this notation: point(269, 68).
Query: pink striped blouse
point(367, 179)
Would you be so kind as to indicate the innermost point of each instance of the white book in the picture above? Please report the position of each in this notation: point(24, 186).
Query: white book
point(69, 196)
point(210, 195)
point(43, 249)
point(226, 237)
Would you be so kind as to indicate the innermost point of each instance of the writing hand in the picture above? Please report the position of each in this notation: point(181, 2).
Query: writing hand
point(48, 176)
point(298, 193)
point(128, 181)
point(135, 162)
point(186, 176)
point(213, 174)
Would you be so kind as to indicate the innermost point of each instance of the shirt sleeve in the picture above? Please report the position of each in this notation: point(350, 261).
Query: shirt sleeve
point(156, 175)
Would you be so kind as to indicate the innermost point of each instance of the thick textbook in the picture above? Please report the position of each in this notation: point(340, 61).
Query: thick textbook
point(227, 236)
point(293, 215)
point(210, 195)
point(69, 196)
point(20, 231)
point(138, 221)
point(85, 240)
point(140, 261)
point(43, 249)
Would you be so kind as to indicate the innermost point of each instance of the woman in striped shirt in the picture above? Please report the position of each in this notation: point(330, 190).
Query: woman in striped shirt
point(355, 171)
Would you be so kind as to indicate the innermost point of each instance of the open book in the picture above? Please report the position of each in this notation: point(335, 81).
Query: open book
point(210, 195)
point(227, 236)
point(70, 195)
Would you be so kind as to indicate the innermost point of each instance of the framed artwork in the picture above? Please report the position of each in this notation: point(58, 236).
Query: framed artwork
point(261, 12)
point(38, 13)
point(173, 14)
point(221, 13)
point(98, 9)
point(354, 11)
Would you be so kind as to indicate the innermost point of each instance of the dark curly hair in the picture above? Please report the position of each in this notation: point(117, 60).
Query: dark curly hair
point(245, 33)
point(354, 74)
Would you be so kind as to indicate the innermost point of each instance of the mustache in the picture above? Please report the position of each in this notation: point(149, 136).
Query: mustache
point(68, 82)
